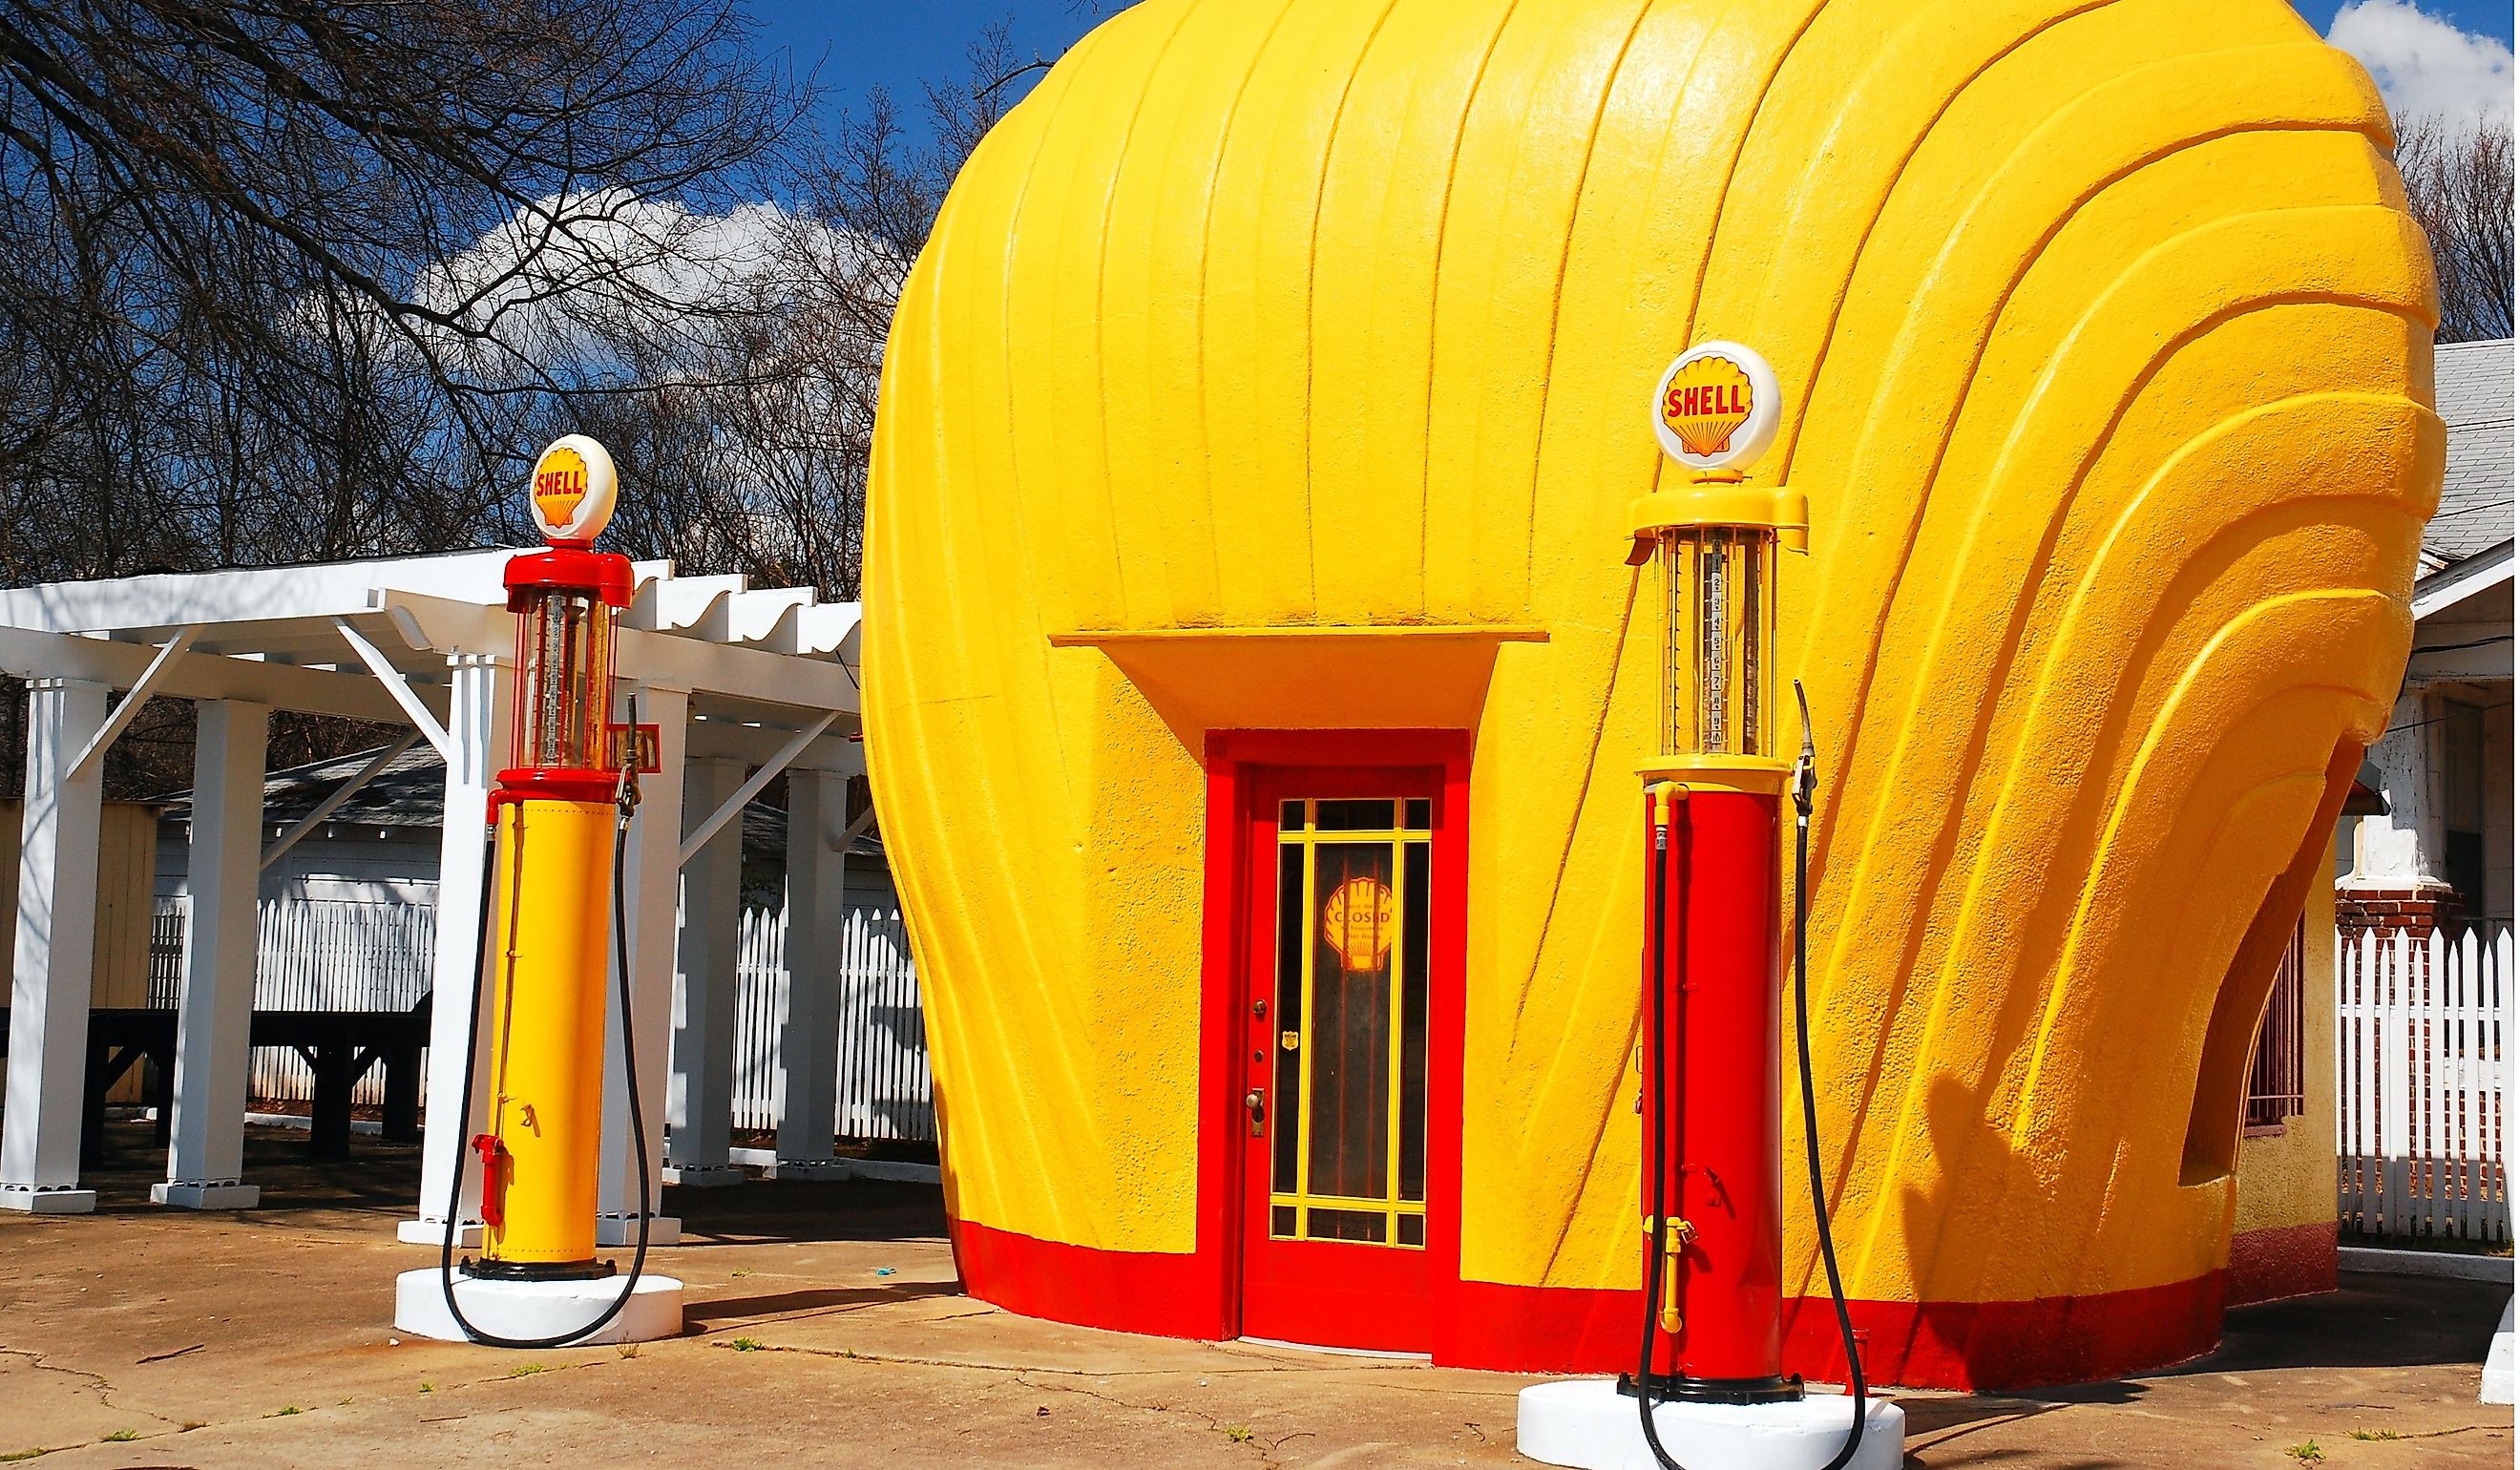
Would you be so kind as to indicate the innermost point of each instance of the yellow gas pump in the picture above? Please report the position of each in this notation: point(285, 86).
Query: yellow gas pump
point(552, 934)
point(554, 812)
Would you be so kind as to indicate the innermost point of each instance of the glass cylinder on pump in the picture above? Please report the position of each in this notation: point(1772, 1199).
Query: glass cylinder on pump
point(1719, 681)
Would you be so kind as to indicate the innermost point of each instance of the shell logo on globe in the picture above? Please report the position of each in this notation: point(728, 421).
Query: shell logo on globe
point(1717, 408)
point(574, 487)
point(1359, 922)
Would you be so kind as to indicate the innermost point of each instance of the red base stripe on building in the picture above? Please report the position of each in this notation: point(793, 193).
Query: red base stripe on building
point(1156, 1293)
point(2288, 1261)
point(2010, 1345)
point(1533, 1329)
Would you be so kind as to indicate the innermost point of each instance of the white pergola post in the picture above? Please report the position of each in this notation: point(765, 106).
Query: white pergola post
point(476, 731)
point(56, 956)
point(807, 1088)
point(651, 874)
point(214, 1014)
point(699, 1094)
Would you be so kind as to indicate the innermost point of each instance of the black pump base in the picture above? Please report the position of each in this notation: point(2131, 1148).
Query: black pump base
point(1680, 1388)
point(536, 1270)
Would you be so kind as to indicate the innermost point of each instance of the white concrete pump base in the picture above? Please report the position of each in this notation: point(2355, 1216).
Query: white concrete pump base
point(1589, 1424)
point(623, 1230)
point(537, 1309)
point(2497, 1388)
point(468, 1235)
point(213, 1194)
point(47, 1199)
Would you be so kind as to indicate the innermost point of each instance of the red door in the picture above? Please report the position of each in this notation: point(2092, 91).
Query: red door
point(1350, 939)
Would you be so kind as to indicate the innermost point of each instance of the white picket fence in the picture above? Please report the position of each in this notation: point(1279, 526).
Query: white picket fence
point(311, 955)
point(2420, 1085)
point(883, 1084)
point(334, 954)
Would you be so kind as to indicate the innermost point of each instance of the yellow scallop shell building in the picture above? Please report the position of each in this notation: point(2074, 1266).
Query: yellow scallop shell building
point(1246, 520)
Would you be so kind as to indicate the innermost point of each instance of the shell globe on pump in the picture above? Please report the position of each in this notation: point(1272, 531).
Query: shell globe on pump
point(554, 811)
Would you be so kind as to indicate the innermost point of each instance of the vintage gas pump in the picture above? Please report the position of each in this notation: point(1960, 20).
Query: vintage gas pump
point(1714, 796)
point(554, 812)
point(1709, 1391)
point(552, 918)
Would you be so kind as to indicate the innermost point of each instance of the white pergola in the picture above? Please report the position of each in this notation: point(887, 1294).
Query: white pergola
point(742, 684)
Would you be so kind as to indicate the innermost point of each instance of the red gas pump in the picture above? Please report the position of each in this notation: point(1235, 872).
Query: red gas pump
point(1710, 1363)
point(1711, 1015)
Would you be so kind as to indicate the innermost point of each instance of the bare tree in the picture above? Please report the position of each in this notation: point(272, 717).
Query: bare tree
point(2459, 187)
point(227, 329)
point(753, 452)
point(283, 281)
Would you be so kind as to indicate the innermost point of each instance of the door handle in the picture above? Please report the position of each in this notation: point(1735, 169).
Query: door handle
point(1256, 1102)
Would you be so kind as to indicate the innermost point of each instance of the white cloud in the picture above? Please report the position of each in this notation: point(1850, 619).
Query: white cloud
point(556, 277)
point(2426, 65)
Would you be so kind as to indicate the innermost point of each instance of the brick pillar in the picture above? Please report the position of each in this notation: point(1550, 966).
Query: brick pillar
point(2416, 907)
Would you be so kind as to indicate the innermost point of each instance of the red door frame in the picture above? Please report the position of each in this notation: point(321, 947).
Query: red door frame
point(1232, 756)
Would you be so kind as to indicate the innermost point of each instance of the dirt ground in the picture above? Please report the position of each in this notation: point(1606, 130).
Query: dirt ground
point(825, 1329)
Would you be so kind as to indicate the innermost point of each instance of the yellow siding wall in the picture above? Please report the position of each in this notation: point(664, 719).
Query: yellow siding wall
point(126, 876)
point(2105, 344)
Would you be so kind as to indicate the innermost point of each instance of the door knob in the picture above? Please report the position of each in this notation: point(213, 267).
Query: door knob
point(1256, 1103)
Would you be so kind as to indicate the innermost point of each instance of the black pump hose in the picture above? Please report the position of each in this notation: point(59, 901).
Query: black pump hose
point(1804, 782)
point(1806, 777)
point(630, 1081)
point(1657, 1152)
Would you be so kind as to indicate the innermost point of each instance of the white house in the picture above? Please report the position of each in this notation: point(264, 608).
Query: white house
point(2440, 853)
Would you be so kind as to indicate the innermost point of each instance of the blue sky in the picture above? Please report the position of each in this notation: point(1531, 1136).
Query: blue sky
point(895, 43)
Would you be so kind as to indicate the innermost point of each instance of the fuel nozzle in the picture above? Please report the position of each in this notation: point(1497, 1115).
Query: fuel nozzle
point(1806, 763)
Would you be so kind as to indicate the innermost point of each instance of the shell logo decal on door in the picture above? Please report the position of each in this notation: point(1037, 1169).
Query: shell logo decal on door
point(1359, 923)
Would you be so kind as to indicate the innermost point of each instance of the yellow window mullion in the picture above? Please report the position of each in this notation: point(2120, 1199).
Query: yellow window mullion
point(1304, 1061)
point(1391, 989)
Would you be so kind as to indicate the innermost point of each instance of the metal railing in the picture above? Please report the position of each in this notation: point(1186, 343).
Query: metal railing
point(2278, 1081)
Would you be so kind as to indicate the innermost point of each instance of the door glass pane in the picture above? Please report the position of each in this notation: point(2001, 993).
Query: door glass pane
point(1289, 1008)
point(1348, 1123)
point(1412, 1026)
point(1350, 1072)
point(1352, 816)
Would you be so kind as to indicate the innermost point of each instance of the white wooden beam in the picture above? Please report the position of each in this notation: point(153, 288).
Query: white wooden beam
point(650, 883)
point(668, 604)
point(399, 688)
point(699, 1094)
point(129, 709)
point(197, 675)
point(479, 689)
point(753, 744)
point(698, 837)
point(181, 599)
point(214, 1005)
point(661, 660)
point(56, 955)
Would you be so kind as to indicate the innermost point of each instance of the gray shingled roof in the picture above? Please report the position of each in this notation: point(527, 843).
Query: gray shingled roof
point(2472, 389)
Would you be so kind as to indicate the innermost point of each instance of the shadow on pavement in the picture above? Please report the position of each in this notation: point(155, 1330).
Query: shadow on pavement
point(383, 1179)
